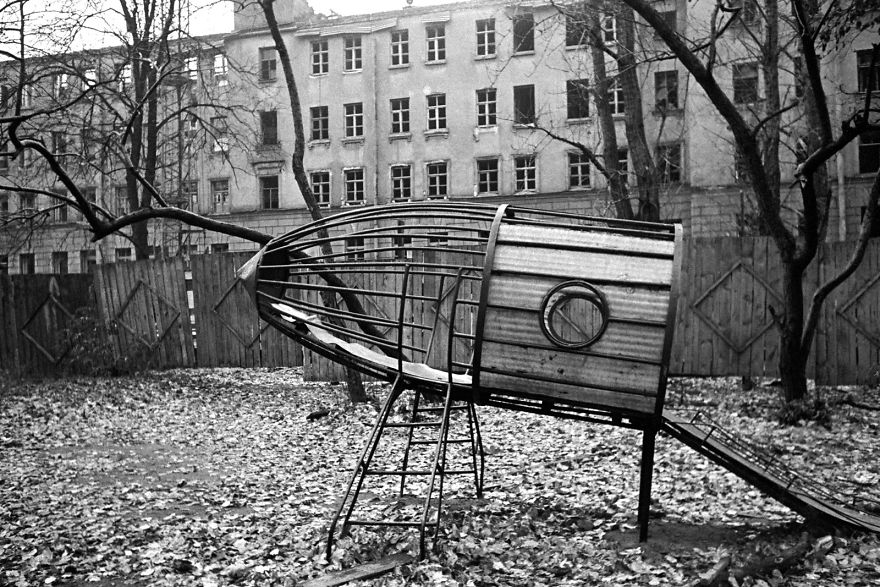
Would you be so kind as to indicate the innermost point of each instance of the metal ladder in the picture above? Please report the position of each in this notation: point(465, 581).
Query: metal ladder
point(436, 472)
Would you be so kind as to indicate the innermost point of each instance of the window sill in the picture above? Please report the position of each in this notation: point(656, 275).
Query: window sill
point(486, 128)
point(578, 121)
point(324, 74)
point(353, 204)
point(580, 47)
point(443, 197)
point(439, 133)
point(525, 125)
point(579, 188)
point(485, 57)
point(352, 71)
point(400, 136)
point(487, 194)
point(401, 200)
point(268, 81)
point(264, 147)
point(525, 193)
point(319, 143)
point(353, 140)
point(436, 62)
point(523, 53)
point(399, 66)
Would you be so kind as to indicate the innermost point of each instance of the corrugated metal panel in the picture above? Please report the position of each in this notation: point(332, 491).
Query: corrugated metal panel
point(570, 367)
point(570, 393)
point(623, 340)
point(519, 291)
point(582, 265)
point(528, 234)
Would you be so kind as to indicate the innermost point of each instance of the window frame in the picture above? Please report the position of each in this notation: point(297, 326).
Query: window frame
point(577, 99)
point(863, 68)
point(525, 173)
point(269, 132)
point(435, 180)
point(579, 171)
point(616, 99)
point(746, 87)
point(663, 90)
point(320, 57)
point(871, 153)
point(668, 168)
point(576, 28)
point(436, 113)
point(487, 109)
point(400, 116)
point(352, 54)
point(221, 134)
point(401, 182)
point(219, 207)
point(323, 197)
point(400, 48)
point(485, 181)
point(320, 123)
point(270, 197)
point(353, 185)
point(353, 119)
point(524, 107)
point(523, 33)
point(486, 45)
point(435, 43)
point(220, 69)
point(268, 58)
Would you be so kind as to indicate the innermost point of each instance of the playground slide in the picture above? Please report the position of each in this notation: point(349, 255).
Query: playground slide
point(807, 498)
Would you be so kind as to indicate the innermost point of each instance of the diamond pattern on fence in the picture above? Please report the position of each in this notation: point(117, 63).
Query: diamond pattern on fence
point(850, 309)
point(45, 326)
point(147, 315)
point(228, 309)
point(739, 342)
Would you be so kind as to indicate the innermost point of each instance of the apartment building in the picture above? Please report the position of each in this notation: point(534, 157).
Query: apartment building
point(459, 101)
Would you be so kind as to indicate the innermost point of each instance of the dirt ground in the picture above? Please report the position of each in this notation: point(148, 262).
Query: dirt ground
point(217, 477)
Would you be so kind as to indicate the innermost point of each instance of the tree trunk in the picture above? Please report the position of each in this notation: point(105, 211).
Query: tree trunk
point(792, 356)
point(616, 184)
point(643, 164)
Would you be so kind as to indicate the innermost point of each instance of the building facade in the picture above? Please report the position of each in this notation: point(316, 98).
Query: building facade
point(462, 101)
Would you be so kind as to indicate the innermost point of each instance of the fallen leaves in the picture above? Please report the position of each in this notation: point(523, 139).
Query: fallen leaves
point(217, 477)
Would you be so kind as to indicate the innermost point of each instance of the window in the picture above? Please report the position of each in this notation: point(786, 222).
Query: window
point(90, 76)
point(436, 36)
point(623, 164)
point(192, 68)
point(354, 120)
point(320, 57)
point(123, 254)
point(747, 11)
point(399, 115)
point(4, 204)
point(189, 194)
point(486, 37)
point(61, 85)
point(26, 264)
point(670, 18)
point(59, 142)
point(88, 258)
point(27, 202)
point(399, 48)
point(220, 195)
point(609, 28)
point(269, 192)
point(320, 123)
point(59, 262)
point(578, 170)
point(437, 112)
point(354, 187)
point(269, 127)
point(267, 64)
point(525, 173)
point(487, 176)
point(669, 163)
point(402, 244)
point(125, 78)
point(577, 93)
point(353, 55)
point(401, 183)
point(221, 134)
point(615, 98)
point(4, 265)
point(121, 194)
point(59, 208)
point(320, 182)
point(438, 180)
point(91, 196)
point(219, 248)
point(745, 83)
point(354, 248)
point(863, 65)
point(523, 33)
point(576, 26)
point(486, 107)
point(524, 104)
point(27, 96)
point(666, 91)
point(190, 129)
point(221, 68)
point(869, 152)
point(4, 164)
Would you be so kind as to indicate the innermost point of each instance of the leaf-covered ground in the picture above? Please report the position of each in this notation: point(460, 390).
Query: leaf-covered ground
point(216, 477)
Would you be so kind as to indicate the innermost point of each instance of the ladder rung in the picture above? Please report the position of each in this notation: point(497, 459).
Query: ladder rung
point(412, 424)
point(453, 441)
point(417, 472)
point(389, 523)
point(440, 408)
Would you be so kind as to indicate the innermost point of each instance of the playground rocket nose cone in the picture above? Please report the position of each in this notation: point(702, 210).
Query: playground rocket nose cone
point(247, 273)
point(504, 304)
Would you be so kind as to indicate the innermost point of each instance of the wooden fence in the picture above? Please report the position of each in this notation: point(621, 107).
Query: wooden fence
point(724, 325)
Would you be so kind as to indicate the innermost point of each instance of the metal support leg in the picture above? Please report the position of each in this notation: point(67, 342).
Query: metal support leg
point(648, 437)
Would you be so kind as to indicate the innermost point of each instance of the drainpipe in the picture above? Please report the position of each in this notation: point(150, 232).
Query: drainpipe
point(376, 132)
point(841, 171)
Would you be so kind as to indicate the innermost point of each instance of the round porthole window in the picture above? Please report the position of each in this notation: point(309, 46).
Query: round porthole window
point(574, 314)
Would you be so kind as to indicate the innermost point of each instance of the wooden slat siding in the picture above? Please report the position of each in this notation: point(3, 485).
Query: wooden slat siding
point(627, 341)
point(580, 265)
point(9, 358)
point(525, 234)
point(573, 367)
point(187, 346)
point(203, 282)
point(514, 291)
point(573, 393)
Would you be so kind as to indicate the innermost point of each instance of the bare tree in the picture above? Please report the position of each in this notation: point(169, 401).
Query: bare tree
point(796, 245)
